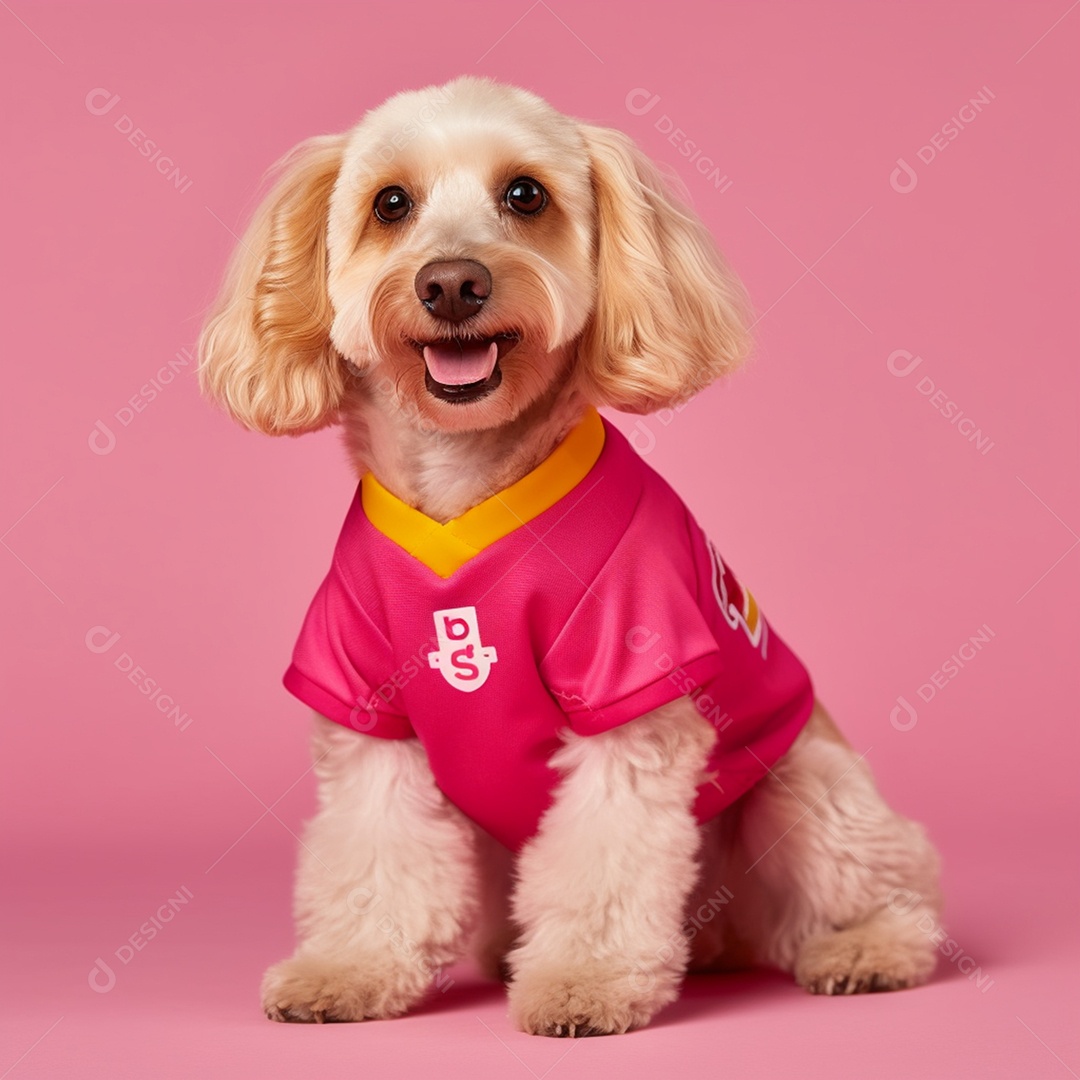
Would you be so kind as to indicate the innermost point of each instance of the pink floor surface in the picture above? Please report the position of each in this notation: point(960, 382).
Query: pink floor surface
point(185, 1004)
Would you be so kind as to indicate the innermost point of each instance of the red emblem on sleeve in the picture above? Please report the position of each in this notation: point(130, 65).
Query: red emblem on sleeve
point(737, 604)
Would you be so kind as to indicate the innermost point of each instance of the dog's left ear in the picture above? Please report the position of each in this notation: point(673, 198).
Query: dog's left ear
point(670, 315)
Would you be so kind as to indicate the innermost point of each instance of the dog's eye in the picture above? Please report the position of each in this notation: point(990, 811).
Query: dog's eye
point(392, 204)
point(526, 196)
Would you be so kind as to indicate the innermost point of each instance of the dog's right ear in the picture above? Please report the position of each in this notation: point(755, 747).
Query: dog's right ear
point(265, 352)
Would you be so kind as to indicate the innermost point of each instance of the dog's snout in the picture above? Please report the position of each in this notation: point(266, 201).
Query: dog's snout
point(454, 289)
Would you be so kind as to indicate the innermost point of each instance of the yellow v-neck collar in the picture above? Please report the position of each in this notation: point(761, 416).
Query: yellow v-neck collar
point(446, 548)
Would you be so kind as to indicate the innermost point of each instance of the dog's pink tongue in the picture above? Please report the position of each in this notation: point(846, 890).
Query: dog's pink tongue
point(458, 363)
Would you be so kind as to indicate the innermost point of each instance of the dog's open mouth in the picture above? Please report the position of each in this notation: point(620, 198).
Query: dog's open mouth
point(464, 369)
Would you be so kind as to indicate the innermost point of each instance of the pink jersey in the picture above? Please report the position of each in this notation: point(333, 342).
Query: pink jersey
point(583, 596)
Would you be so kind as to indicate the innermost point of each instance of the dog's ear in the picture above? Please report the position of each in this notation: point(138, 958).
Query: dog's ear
point(265, 352)
point(670, 315)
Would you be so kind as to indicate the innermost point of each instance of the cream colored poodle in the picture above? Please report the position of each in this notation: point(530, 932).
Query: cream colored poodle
point(550, 721)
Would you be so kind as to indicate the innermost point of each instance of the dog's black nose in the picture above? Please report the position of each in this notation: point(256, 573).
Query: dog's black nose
point(455, 289)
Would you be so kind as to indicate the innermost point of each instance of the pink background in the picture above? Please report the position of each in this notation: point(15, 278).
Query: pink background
point(877, 539)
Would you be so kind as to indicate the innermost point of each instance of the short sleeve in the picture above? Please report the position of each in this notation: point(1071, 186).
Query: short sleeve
point(637, 639)
point(342, 664)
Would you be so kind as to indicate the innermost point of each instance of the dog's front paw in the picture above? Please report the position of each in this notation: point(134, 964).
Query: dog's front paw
point(310, 989)
point(594, 1000)
point(862, 960)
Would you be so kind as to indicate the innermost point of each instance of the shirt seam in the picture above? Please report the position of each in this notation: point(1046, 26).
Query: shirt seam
point(592, 581)
point(294, 666)
point(347, 585)
point(692, 523)
point(588, 710)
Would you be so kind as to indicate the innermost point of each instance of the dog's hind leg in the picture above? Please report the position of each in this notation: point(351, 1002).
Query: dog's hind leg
point(837, 887)
point(386, 887)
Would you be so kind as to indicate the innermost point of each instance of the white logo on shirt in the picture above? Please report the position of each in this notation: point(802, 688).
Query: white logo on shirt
point(465, 663)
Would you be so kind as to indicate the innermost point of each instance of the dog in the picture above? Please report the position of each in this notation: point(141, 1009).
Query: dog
point(551, 724)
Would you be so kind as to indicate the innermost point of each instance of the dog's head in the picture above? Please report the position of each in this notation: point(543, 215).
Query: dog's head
point(468, 248)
